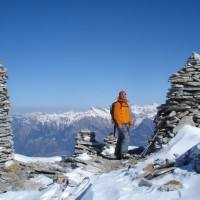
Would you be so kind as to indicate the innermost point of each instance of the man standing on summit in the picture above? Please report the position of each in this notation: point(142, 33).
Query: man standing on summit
point(123, 122)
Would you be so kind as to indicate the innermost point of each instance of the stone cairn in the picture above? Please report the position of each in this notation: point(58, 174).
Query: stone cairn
point(6, 136)
point(86, 143)
point(110, 140)
point(182, 105)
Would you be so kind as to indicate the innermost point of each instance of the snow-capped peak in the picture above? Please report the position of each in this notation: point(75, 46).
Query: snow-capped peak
point(67, 118)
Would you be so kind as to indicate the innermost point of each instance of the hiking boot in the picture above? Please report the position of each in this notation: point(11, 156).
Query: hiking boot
point(118, 157)
point(126, 156)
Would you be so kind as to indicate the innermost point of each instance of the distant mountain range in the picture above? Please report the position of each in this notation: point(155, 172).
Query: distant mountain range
point(40, 134)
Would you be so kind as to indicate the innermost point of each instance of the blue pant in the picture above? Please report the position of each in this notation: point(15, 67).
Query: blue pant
point(123, 140)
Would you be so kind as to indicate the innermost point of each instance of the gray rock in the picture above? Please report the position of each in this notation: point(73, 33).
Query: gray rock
point(197, 163)
point(185, 120)
point(171, 186)
point(145, 182)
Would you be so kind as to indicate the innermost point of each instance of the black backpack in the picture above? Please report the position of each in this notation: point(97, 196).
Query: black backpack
point(112, 114)
point(112, 111)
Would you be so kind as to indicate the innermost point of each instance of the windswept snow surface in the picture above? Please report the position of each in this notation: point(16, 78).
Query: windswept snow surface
point(122, 185)
point(26, 159)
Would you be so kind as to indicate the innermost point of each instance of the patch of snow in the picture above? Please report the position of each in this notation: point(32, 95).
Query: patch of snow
point(83, 156)
point(26, 159)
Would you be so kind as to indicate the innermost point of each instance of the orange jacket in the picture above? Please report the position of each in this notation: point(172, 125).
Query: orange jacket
point(122, 113)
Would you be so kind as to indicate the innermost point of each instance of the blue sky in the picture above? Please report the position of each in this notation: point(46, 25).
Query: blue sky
point(64, 54)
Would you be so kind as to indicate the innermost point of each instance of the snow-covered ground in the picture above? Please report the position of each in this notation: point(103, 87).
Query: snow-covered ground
point(121, 185)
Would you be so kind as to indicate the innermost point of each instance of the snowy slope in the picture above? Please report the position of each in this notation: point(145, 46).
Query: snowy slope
point(121, 184)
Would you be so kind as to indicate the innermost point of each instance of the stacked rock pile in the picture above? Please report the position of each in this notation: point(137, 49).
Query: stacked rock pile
point(6, 136)
point(110, 140)
point(86, 143)
point(182, 105)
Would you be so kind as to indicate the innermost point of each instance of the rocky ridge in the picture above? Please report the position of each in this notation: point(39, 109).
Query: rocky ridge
point(16, 175)
point(182, 105)
point(88, 153)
